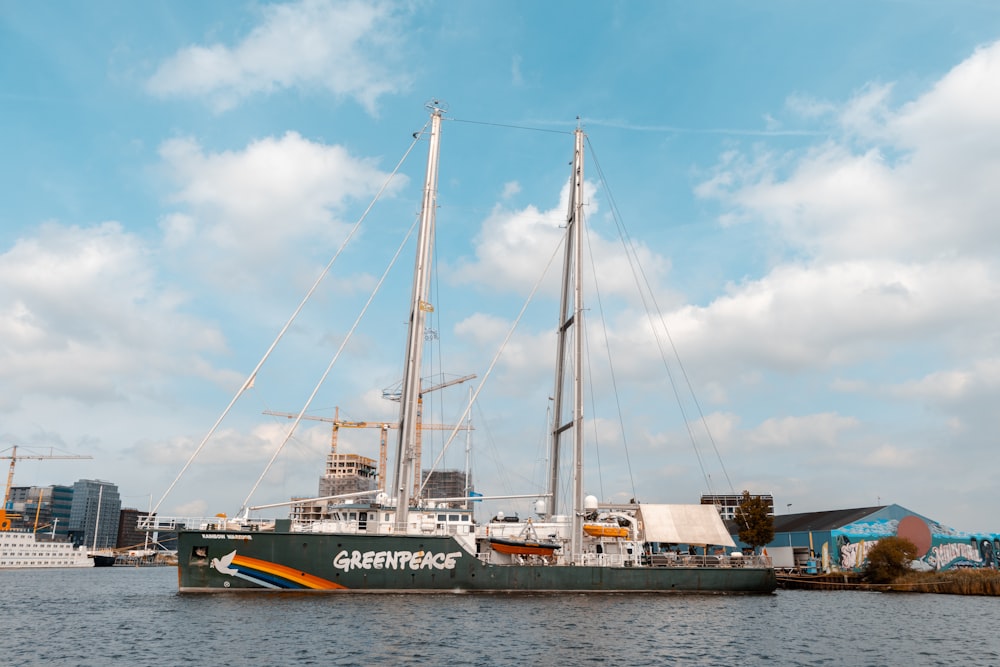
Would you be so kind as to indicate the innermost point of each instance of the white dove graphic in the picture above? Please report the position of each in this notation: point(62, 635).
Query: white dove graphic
point(223, 564)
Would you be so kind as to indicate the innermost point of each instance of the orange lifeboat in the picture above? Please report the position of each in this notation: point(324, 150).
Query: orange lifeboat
point(605, 530)
point(522, 547)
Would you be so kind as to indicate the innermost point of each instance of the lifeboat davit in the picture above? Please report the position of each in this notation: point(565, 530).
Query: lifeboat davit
point(522, 547)
point(605, 530)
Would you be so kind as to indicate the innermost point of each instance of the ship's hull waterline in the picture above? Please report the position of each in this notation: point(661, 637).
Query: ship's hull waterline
point(220, 561)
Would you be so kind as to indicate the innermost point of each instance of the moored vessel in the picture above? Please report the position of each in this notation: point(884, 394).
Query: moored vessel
point(395, 540)
point(24, 549)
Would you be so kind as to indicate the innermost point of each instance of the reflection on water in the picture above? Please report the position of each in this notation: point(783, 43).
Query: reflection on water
point(132, 616)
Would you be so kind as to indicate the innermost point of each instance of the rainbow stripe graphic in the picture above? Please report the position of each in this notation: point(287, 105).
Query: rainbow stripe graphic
point(272, 575)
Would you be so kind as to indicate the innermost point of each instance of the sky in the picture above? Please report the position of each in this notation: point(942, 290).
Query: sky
point(809, 188)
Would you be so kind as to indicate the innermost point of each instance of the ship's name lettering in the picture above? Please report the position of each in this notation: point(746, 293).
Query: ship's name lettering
point(395, 560)
point(227, 536)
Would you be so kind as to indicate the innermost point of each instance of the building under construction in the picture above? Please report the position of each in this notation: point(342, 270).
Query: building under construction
point(347, 473)
point(727, 503)
point(344, 474)
point(446, 484)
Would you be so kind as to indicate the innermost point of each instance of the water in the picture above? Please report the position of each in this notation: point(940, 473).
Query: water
point(133, 616)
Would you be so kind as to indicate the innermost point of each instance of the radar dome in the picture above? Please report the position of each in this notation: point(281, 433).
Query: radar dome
point(540, 507)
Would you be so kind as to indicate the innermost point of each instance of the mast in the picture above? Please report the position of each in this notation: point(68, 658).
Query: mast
point(406, 464)
point(468, 453)
point(570, 342)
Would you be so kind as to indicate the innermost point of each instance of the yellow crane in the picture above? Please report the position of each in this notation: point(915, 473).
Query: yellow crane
point(418, 444)
point(383, 427)
point(5, 519)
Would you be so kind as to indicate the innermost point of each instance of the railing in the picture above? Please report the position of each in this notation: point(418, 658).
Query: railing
point(648, 560)
point(169, 524)
point(606, 559)
point(684, 560)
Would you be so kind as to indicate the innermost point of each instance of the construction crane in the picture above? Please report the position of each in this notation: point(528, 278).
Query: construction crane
point(5, 519)
point(383, 427)
point(418, 444)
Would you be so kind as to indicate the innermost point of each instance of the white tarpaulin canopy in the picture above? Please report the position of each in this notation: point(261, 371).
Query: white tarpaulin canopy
point(684, 524)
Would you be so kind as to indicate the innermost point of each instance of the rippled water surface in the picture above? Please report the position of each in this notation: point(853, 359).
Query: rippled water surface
point(133, 616)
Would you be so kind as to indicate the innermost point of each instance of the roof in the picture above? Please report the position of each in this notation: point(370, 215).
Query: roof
point(684, 524)
point(828, 520)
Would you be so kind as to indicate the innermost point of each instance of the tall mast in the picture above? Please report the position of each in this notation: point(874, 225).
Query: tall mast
point(406, 463)
point(570, 331)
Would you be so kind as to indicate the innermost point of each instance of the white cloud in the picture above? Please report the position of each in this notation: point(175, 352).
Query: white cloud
point(801, 316)
point(867, 113)
point(516, 77)
point(890, 456)
point(802, 433)
point(351, 49)
point(510, 189)
point(252, 206)
point(255, 445)
point(889, 235)
point(880, 298)
point(954, 385)
point(920, 184)
point(514, 245)
point(83, 316)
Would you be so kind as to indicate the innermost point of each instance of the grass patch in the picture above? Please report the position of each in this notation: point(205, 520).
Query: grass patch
point(954, 582)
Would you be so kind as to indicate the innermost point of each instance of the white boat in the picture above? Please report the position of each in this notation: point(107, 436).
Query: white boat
point(30, 549)
point(25, 549)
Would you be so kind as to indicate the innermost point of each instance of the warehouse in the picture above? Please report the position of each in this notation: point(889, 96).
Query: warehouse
point(839, 540)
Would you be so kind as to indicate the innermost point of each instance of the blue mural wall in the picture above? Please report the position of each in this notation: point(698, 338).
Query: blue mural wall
point(948, 548)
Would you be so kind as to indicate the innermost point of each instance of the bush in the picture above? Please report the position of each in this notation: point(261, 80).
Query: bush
point(888, 559)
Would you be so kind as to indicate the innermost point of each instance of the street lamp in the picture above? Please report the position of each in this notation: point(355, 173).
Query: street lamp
point(788, 509)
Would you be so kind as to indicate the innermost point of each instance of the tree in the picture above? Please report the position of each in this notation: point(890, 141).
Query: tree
point(888, 559)
point(756, 526)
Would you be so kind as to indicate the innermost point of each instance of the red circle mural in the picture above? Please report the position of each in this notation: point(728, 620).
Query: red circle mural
point(915, 530)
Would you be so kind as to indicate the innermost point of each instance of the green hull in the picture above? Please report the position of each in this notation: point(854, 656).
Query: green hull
point(214, 561)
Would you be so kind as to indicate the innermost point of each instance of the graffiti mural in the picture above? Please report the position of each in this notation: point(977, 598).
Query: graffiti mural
point(948, 548)
point(953, 554)
point(853, 556)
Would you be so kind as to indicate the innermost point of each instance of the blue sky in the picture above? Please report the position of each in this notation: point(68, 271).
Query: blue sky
point(810, 185)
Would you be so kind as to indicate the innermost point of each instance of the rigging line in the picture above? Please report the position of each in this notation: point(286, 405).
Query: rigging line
point(630, 249)
point(680, 364)
point(494, 453)
point(593, 423)
point(633, 255)
point(493, 363)
point(507, 125)
point(437, 356)
point(319, 279)
point(540, 467)
point(329, 368)
point(611, 365)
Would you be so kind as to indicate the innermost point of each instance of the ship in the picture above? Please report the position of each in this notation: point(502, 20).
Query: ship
point(397, 541)
point(23, 548)
point(26, 549)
